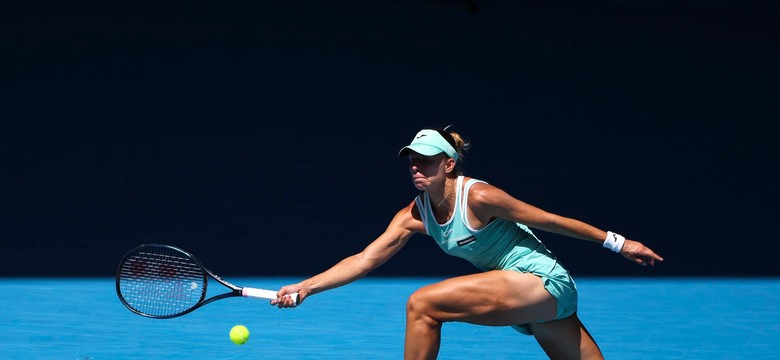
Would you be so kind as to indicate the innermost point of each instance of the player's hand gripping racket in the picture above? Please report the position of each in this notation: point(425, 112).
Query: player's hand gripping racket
point(162, 281)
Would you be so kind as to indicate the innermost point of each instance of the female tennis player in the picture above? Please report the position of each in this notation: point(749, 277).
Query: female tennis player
point(521, 284)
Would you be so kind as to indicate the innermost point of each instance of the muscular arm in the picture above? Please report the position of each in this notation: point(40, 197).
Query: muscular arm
point(354, 267)
point(487, 202)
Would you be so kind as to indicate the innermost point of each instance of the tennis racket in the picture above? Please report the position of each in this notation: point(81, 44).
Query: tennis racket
point(162, 282)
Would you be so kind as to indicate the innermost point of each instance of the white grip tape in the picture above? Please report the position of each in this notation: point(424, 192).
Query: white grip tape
point(264, 294)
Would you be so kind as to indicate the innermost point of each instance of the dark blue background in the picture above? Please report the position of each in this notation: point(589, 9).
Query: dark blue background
point(262, 136)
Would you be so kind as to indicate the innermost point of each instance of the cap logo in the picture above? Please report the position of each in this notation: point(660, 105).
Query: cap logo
point(419, 136)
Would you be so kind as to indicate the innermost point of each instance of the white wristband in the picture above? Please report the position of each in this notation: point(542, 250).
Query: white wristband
point(614, 241)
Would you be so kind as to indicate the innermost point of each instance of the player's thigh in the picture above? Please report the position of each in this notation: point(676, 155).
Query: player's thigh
point(498, 298)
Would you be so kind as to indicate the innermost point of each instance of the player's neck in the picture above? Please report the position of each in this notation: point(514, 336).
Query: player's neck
point(447, 193)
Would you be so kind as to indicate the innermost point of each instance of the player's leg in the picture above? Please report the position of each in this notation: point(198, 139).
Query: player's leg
point(492, 298)
point(566, 339)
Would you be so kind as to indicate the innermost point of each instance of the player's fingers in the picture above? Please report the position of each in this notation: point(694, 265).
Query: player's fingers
point(280, 303)
point(649, 253)
point(285, 301)
point(289, 300)
point(280, 295)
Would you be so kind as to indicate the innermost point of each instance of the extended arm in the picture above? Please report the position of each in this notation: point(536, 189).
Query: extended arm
point(491, 202)
point(358, 265)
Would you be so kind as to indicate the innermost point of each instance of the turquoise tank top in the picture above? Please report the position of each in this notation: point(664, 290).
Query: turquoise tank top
point(501, 244)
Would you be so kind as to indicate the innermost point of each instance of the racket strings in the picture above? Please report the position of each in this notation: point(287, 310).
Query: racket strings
point(160, 282)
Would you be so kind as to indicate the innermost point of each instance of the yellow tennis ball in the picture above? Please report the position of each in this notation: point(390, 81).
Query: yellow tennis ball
point(239, 334)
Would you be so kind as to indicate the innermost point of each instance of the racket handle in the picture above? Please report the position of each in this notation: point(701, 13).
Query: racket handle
point(264, 294)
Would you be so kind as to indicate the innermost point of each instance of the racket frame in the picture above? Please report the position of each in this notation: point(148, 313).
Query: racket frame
point(235, 290)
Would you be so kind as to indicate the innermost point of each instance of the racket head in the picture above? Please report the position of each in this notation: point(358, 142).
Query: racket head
point(160, 281)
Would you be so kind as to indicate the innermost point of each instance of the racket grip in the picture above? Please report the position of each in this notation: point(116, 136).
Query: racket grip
point(264, 294)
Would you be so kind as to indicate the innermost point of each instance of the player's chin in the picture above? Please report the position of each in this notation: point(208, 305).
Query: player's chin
point(420, 183)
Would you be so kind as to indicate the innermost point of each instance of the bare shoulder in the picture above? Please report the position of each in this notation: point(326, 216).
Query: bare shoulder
point(409, 219)
point(488, 201)
point(484, 194)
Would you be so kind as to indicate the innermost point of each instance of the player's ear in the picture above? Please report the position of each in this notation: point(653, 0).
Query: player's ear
point(450, 165)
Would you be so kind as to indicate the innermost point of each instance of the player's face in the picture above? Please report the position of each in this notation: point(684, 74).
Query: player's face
point(426, 169)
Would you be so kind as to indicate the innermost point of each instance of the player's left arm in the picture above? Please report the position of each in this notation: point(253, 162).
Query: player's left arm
point(487, 201)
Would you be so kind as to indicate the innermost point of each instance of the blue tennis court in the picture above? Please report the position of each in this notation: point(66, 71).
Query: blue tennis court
point(675, 318)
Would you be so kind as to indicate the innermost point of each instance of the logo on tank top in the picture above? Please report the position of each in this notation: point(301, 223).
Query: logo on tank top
point(467, 240)
point(445, 233)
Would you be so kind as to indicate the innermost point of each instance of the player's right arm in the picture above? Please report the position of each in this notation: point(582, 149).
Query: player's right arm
point(404, 224)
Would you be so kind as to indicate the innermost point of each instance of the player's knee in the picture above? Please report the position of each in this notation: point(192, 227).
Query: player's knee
point(417, 305)
point(421, 309)
point(413, 303)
